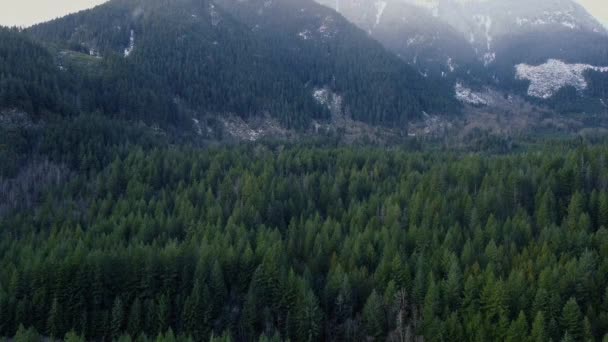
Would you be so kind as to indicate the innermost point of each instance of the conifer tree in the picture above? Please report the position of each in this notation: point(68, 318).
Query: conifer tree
point(118, 318)
point(374, 316)
point(572, 320)
point(539, 332)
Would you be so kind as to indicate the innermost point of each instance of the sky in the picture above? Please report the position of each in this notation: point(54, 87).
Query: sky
point(28, 12)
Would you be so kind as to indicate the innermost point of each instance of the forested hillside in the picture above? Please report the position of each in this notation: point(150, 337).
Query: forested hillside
point(29, 78)
point(304, 243)
point(121, 220)
point(167, 62)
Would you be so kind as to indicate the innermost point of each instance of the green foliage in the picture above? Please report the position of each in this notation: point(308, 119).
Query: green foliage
point(72, 336)
point(374, 317)
point(572, 319)
point(188, 62)
point(306, 243)
point(539, 330)
point(27, 335)
point(29, 79)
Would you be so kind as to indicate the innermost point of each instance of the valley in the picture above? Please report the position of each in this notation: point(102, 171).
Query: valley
point(301, 170)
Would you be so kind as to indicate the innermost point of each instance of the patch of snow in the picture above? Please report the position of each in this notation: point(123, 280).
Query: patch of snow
point(521, 21)
point(197, 126)
point(214, 15)
point(380, 7)
point(488, 58)
point(467, 95)
point(451, 64)
point(547, 79)
point(326, 29)
point(417, 39)
point(327, 98)
point(131, 46)
point(304, 34)
point(485, 23)
point(564, 18)
point(569, 25)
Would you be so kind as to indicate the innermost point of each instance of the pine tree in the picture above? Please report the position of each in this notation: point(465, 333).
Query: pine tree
point(374, 317)
point(587, 331)
point(27, 335)
point(518, 331)
point(162, 314)
point(135, 323)
point(197, 312)
point(575, 209)
point(539, 333)
point(568, 338)
point(118, 318)
point(546, 214)
point(54, 328)
point(217, 286)
point(572, 320)
point(309, 318)
point(72, 336)
point(602, 219)
point(453, 285)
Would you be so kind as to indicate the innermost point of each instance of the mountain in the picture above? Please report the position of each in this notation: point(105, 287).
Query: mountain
point(483, 43)
point(175, 61)
point(412, 32)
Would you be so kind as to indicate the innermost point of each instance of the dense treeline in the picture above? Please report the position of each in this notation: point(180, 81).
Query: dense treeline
point(193, 57)
point(29, 79)
point(314, 243)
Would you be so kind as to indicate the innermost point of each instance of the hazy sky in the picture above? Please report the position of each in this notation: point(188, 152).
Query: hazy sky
point(27, 12)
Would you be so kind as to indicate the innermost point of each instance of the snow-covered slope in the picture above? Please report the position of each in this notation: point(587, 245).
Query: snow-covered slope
point(410, 30)
point(547, 79)
point(491, 43)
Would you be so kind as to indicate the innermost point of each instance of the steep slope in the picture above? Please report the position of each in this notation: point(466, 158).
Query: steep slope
point(413, 33)
point(333, 55)
point(161, 60)
point(181, 59)
point(482, 42)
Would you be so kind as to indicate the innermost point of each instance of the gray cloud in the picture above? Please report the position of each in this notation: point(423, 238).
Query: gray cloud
point(28, 12)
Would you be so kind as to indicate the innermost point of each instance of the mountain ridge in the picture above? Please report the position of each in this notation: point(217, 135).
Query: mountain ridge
point(482, 42)
point(214, 58)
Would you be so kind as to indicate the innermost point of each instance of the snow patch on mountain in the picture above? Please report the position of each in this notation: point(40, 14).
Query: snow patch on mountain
point(485, 24)
point(450, 64)
point(547, 79)
point(416, 40)
point(380, 7)
point(488, 58)
point(327, 29)
point(563, 18)
point(327, 98)
point(305, 35)
point(215, 16)
point(131, 46)
point(467, 95)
